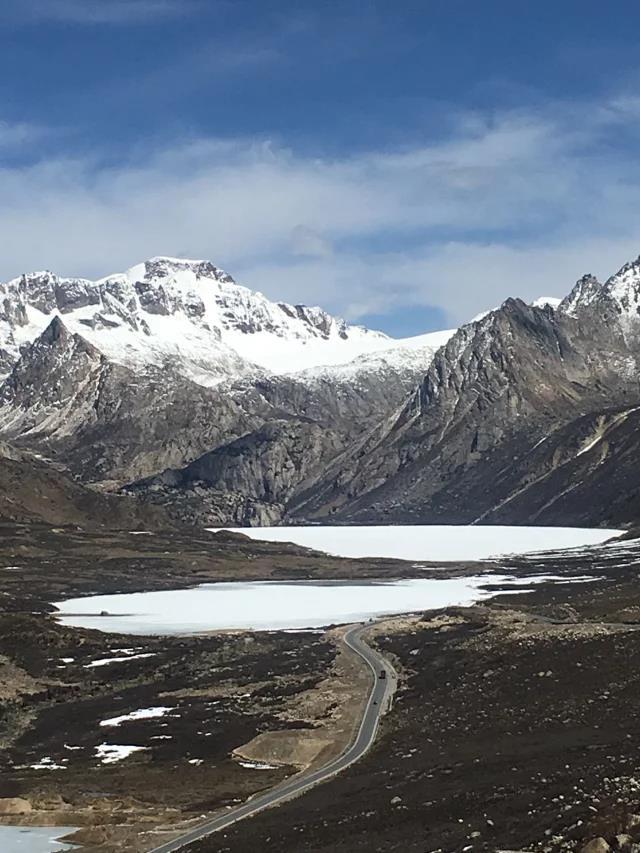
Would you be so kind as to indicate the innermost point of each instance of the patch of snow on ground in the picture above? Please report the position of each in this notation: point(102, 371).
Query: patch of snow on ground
point(48, 764)
point(141, 714)
point(256, 765)
point(105, 661)
point(109, 753)
point(531, 581)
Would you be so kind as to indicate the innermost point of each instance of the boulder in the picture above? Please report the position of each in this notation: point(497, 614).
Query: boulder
point(14, 805)
point(596, 845)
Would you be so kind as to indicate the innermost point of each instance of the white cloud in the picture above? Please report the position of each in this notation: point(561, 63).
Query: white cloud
point(461, 278)
point(512, 204)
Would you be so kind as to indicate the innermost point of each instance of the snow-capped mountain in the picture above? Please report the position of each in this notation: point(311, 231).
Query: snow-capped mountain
point(620, 294)
point(191, 317)
point(541, 302)
point(296, 415)
point(124, 376)
point(188, 315)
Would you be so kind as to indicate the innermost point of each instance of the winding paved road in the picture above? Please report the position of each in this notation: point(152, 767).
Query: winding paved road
point(379, 699)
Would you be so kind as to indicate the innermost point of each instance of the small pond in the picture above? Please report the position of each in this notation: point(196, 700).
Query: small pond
point(34, 839)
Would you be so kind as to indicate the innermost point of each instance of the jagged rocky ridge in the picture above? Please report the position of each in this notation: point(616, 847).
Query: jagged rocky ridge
point(91, 386)
point(528, 414)
point(189, 316)
point(524, 416)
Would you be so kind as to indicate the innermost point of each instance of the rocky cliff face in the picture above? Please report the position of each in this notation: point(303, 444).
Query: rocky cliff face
point(33, 490)
point(102, 420)
point(464, 447)
point(249, 480)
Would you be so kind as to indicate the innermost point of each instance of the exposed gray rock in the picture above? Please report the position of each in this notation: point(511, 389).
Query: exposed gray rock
point(102, 420)
point(14, 313)
point(72, 294)
point(39, 290)
point(597, 845)
point(470, 443)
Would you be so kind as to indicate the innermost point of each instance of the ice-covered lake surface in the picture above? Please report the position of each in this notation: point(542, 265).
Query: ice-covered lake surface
point(431, 542)
point(273, 605)
point(313, 604)
point(34, 839)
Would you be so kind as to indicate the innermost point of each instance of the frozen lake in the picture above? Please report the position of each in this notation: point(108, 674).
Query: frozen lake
point(430, 542)
point(313, 604)
point(271, 605)
point(34, 839)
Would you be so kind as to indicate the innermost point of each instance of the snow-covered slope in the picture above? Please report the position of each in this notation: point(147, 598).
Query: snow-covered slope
point(411, 356)
point(188, 315)
point(543, 301)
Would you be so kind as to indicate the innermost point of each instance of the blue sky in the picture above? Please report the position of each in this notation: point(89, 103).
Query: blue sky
point(406, 164)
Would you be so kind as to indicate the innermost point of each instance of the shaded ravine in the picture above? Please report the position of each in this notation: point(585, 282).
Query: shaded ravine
point(380, 697)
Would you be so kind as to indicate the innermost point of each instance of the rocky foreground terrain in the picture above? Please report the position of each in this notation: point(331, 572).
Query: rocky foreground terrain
point(228, 714)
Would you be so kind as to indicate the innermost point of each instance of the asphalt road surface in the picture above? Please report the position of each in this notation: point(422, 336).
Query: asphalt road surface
point(379, 699)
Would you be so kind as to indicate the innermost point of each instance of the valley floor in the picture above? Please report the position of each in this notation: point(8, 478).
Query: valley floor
point(515, 726)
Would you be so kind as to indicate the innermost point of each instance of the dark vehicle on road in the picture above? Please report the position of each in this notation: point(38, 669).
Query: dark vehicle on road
point(383, 673)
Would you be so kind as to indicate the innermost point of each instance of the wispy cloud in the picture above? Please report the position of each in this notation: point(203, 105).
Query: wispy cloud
point(17, 136)
point(93, 11)
point(512, 203)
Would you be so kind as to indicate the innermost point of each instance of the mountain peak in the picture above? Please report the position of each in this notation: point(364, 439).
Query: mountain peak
point(629, 270)
point(585, 291)
point(55, 332)
point(164, 266)
point(187, 313)
point(546, 302)
point(620, 292)
point(623, 288)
